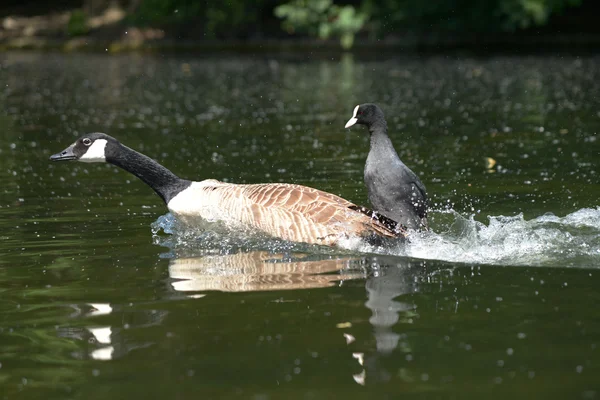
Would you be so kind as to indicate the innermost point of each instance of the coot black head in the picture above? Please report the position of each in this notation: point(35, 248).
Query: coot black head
point(366, 114)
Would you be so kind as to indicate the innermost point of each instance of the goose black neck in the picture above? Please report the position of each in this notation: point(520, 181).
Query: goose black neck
point(165, 183)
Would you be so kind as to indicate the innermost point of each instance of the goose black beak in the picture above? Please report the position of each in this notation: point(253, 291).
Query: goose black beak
point(65, 155)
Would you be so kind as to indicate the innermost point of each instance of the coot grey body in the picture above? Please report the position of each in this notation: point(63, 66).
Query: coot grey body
point(394, 189)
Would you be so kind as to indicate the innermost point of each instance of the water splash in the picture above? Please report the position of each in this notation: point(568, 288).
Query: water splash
point(512, 240)
point(216, 239)
point(572, 240)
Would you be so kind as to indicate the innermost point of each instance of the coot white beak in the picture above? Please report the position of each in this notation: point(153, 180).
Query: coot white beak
point(352, 120)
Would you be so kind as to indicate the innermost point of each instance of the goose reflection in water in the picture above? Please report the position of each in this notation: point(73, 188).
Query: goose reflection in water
point(385, 281)
point(259, 271)
point(250, 271)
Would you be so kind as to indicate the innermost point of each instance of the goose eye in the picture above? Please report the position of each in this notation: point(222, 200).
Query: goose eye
point(87, 141)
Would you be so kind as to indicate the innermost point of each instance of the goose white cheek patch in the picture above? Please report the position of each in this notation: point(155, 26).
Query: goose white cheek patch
point(95, 153)
point(352, 120)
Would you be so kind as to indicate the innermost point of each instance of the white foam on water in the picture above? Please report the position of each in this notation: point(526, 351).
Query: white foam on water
point(511, 240)
point(572, 240)
point(214, 238)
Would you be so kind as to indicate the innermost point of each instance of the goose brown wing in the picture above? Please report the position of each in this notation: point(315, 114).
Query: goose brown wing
point(298, 213)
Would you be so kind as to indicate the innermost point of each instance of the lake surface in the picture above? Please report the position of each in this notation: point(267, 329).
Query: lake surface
point(104, 296)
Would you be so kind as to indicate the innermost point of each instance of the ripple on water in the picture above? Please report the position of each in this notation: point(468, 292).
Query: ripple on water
point(506, 240)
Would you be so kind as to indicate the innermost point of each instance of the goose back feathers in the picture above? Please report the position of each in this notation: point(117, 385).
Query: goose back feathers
point(287, 211)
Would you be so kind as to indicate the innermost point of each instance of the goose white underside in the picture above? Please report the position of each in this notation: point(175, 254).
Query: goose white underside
point(200, 206)
point(196, 202)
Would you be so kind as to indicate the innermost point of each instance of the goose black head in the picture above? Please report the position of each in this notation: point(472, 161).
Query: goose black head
point(92, 147)
point(366, 114)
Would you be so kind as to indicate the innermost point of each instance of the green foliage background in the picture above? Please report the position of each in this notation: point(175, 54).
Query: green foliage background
point(464, 15)
point(345, 19)
point(218, 18)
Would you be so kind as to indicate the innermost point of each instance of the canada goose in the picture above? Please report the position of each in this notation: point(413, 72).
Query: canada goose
point(394, 190)
point(287, 211)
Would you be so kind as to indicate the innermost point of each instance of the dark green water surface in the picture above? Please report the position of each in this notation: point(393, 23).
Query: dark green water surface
point(103, 296)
